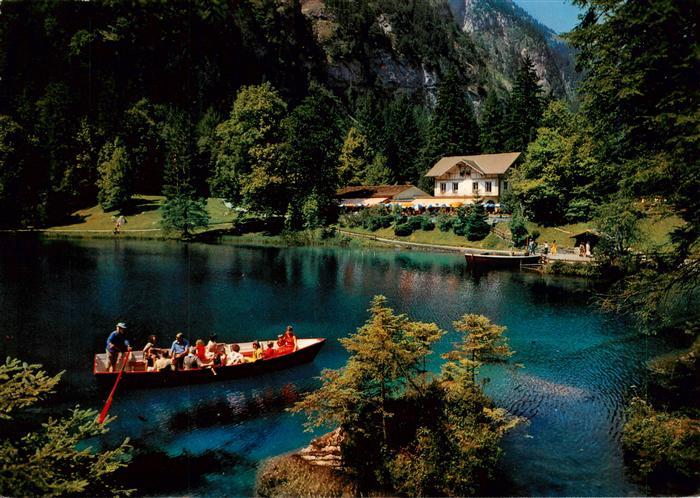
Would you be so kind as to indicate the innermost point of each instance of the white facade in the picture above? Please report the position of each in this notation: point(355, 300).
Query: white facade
point(463, 181)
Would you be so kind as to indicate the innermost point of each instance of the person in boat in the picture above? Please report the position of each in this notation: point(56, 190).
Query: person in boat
point(257, 352)
point(117, 343)
point(191, 360)
point(270, 351)
point(162, 362)
point(150, 351)
point(212, 345)
point(179, 350)
point(235, 358)
point(290, 340)
point(202, 352)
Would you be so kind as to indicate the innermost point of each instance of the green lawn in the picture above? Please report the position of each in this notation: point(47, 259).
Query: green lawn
point(143, 214)
point(435, 237)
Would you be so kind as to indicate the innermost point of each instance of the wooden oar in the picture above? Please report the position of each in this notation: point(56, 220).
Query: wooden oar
point(108, 403)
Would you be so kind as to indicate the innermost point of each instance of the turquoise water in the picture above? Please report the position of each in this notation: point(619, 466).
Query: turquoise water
point(60, 299)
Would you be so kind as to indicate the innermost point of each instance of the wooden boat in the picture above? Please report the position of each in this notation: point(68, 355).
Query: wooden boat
point(501, 260)
point(136, 373)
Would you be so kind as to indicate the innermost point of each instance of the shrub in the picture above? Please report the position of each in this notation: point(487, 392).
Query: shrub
point(518, 230)
point(415, 222)
point(427, 224)
point(661, 445)
point(476, 227)
point(373, 224)
point(445, 222)
point(386, 220)
point(458, 227)
point(403, 230)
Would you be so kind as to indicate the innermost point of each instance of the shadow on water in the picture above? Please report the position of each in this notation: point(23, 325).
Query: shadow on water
point(236, 408)
point(154, 472)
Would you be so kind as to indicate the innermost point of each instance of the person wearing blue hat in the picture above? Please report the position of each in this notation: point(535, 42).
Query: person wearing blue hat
point(117, 343)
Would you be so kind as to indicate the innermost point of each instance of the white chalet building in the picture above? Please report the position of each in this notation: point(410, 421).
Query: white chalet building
point(462, 179)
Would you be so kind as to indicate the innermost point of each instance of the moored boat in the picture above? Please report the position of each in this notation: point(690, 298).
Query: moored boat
point(501, 260)
point(136, 374)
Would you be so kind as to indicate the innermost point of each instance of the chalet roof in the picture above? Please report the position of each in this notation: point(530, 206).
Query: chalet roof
point(488, 164)
point(367, 191)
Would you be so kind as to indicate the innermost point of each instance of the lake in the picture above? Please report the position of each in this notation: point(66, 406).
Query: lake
point(60, 299)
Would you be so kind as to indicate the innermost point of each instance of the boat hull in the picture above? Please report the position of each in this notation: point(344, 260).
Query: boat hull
point(205, 375)
point(500, 260)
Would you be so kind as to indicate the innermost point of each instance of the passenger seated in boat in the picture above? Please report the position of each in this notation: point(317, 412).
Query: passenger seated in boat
point(150, 351)
point(202, 353)
point(161, 363)
point(290, 340)
point(235, 358)
point(257, 352)
point(270, 351)
point(179, 350)
point(191, 360)
point(212, 345)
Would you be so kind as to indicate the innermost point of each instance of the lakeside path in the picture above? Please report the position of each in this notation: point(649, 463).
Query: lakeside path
point(569, 257)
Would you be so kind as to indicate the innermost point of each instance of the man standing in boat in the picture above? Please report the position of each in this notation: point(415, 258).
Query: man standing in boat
point(117, 343)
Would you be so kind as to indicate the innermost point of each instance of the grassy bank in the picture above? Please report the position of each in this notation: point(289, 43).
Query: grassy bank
point(436, 237)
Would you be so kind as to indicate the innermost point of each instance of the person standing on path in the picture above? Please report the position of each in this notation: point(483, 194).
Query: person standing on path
point(554, 248)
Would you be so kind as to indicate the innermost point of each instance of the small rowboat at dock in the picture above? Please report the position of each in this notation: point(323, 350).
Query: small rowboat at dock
point(501, 260)
point(136, 374)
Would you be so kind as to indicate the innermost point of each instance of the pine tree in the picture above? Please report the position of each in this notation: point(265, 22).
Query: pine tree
point(114, 180)
point(453, 129)
point(476, 226)
point(183, 210)
point(492, 125)
point(403, 141)
point(78, 183)
point(56, 458)
point(525, 107)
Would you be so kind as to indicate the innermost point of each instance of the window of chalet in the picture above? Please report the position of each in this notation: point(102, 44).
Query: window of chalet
point(487, 186)
point(464, 171)
point(475, 187)
point(443, 187)
point(455, 186)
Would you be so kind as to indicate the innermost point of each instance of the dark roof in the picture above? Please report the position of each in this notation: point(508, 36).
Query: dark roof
point(368, 191)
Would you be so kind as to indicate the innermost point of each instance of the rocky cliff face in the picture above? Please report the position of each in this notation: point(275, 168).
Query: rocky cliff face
point(399, 46)
point(506, 32)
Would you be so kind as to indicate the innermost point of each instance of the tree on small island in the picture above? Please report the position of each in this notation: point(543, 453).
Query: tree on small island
point(406, 430)
point(52, 458)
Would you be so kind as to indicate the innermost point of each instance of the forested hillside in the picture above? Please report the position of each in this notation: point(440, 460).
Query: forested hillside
point(104, 99)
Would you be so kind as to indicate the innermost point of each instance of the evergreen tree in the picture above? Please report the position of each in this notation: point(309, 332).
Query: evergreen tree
point(80, 175)
point(114, 182)
point(525, 107)
point(453, 129)
point(518, 230)
point(183, 210)
point(55, 458)
point(403, 141)
point(492, 125)
point(12, 170)
point(476, 226)
point(314, 134)
point(483, 343)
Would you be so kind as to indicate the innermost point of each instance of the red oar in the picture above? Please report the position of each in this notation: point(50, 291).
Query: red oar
point(108, 403)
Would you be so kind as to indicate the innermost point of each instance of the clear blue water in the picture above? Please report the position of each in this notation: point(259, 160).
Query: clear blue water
point(60, 299)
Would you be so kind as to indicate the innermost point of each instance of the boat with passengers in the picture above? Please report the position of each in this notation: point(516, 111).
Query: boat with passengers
point(136, 372)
